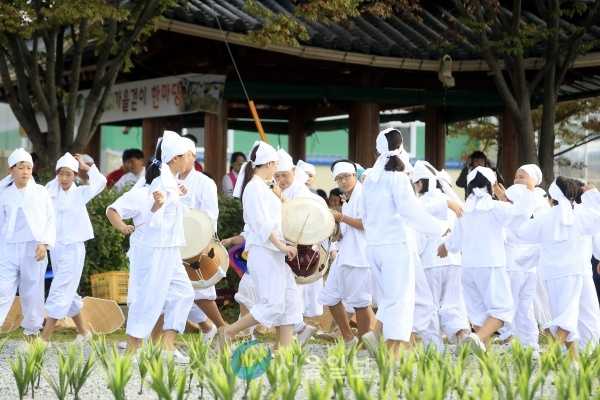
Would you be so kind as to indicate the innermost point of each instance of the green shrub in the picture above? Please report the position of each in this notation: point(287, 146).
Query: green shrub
point(107, 251)
point(231, 221)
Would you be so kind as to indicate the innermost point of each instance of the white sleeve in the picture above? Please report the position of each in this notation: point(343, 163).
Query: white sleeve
point(96, 185)
point(587, 216)
point(256, 214)
point(454, 241)
point(49, 233)
point(411, 209)
point(596, 246)
point(532, 230)
point(210, 201)
point(128, 204)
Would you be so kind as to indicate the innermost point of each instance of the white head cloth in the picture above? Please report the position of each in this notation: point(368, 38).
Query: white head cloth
point(381, 145)
point(265, 153)
point(285, 164)
point(343, 167)
point(300, 176)
point(534, 172)
point(517, 193)
point(565, 205)
point(446, 183)
point(17, 156)
point(171, 146)
point(87, 159)
point(307, 167)
point(422, 170)
point(67, 161)
point(190, 145)
point(480, 199)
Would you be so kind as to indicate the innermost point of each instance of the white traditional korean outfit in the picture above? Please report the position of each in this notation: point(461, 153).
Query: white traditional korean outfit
point(389, 205)
point(278, 299)
point(26, 220)
point(159, 281)
point(73, 229)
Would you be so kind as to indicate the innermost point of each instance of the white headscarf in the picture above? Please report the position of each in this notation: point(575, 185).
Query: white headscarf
point(67, 161)
point(382, 147)
point(534, 172)
point(446, 183)
point(480, 199)
point(265, 153)
point(421, 171)
point(17, 156)
point(285, 162)
point(343, 167)
point(171, 146)
point(307, 167)
point(567, 216)
point(190, 145)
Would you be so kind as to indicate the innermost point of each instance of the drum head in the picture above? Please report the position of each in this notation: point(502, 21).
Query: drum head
point(214, 270)
point(198, 231)
point(319, 272)
point(306, 221)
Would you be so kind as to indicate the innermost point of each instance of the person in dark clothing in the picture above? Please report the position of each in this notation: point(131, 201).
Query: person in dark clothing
point(596, 269)
point(476, 159)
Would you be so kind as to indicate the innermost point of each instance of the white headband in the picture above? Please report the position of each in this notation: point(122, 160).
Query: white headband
point(566, 206)
point(307, 167)
point(265, 153)
point(488, 173)
point(19, 155)
point(421, 171)
point(67, 161)
point(343, 167)
point(285, 163)
point(534, 172)
point(171, 146)
point(190, 145)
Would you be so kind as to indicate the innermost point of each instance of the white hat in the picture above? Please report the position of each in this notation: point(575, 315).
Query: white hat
point(171, 146)
point(343, 167)
point(265, 153)
point(19, 155)
point(190, 145)
point(285, 161)
point(67, 161)
point(534, 172)
point(307, 167)
point(488, 173)
point(421, 171)
point(87, 159)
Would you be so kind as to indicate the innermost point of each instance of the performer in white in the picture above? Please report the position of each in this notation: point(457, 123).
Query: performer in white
point(443, 274)
point(27, 230)
point(349, 281)
point(292, 182)
point(561, 233)
point(202, 195)
point(521, 261)
point(479, 236)
point(159, 281)
point(388, 205)
point(73, 229)
point(278, 299)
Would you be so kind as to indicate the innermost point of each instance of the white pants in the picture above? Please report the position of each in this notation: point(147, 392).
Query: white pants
point(136, 255)
point(445, 283)
point(564, 295)
point(589, 314)
point(425, 324)
point(310, 298)
point(541, 304)
point(246, 293)
point(349, 285)
point(196, 313)
point(393, 272)
point(20, 270)
point(524, 326)
point(278, 298)
point(67, 266)
point(164, 287)
point(487, 294)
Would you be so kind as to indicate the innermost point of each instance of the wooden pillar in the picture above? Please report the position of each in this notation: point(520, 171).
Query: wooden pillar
point(152, 130)
point(364, 127)
point(508, 157)
point(215, 144)
point(298, 125)
point(435, 137)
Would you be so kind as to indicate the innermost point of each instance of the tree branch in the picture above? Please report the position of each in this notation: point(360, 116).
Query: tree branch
point(78, 48)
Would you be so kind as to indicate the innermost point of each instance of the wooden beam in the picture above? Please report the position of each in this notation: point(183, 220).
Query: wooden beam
point(298, 128)
point(152, 130)
point(508, 158)
point(435, 137)
point(215, 144)
point(364, 127)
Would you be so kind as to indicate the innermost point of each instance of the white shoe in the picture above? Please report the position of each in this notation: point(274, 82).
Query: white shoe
point(475, 342)
point(210, 335)
point(82, 339)
point(178, 357)
point(122, 345)
point(371, 342)
point(306, 334)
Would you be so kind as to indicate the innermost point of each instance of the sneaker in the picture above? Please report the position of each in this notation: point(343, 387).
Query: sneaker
point(210, 335)
point(306, 334)
point(475, 342)
point(178, 357)
point(371, 342)
point(82, 339)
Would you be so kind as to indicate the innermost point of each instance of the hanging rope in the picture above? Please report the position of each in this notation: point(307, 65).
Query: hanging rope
point(251, 104)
